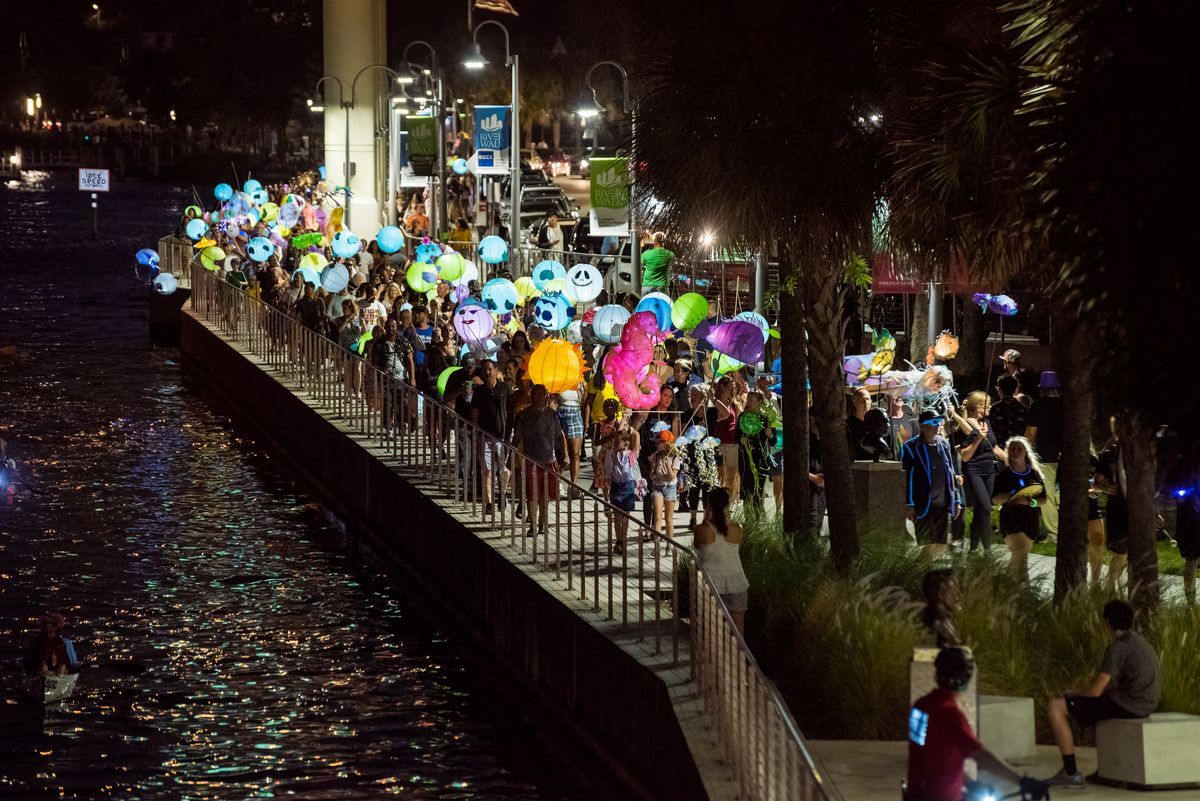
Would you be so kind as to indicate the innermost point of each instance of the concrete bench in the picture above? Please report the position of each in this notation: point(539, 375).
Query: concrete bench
point(922, 679)
point(1006, 727)
point(1159, 752)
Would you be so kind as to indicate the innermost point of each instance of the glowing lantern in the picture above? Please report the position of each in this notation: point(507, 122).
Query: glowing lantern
point(689, 311)
point(583, 283)
point(451, 266)
point(608, 322)
point(526, 289)
point(557, 365)
point(493, 250)
point(390, 239)
point(660, 305)
point(421, 277)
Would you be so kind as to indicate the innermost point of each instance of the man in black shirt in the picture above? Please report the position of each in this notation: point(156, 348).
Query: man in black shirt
point(1008, 415)
point(1044, 430)
point(489, 411)
point(1027, 391)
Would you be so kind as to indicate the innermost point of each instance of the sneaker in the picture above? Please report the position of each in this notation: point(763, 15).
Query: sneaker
point(487, 510)
point(530, 533)
point(1067, 780)
point(520, 510)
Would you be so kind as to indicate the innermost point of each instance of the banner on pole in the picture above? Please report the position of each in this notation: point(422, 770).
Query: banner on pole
point(422, 144)
point(493, 140)
point(610, 190)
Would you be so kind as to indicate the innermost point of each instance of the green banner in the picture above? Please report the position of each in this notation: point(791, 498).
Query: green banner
point(422, 144)
point(610, 190)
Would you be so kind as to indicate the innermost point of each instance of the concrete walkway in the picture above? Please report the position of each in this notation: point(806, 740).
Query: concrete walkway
point(872, 771)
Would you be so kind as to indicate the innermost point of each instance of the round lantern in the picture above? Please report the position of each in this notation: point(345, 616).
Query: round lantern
point(739, 340)
point(451, 266)
point(526, 289)
point(500, 296)
point(421, 277)
point(223, 192)
point(492, 250)
point(545, 272)
point(608, 322)
point(583, 283)
point(165, 283)
point(557, 365)
point(689, 311)
point(390, 239)
point(470, 273)
point(314, 261)
point(473, 321)
point(660, 305)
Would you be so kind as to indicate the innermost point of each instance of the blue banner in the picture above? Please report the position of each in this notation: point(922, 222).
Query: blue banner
point(493, 127)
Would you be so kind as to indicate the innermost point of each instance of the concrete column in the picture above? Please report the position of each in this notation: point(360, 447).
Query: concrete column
point(355, 37)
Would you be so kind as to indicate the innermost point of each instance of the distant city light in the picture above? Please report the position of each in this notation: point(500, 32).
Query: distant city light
point(29, 107)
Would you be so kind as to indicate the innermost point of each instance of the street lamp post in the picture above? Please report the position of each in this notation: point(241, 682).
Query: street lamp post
point(439, 112)
point(477, 61)
point(629, 106)
point(346, 110)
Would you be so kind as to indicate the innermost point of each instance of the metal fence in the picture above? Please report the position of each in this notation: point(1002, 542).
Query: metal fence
point(652, 586)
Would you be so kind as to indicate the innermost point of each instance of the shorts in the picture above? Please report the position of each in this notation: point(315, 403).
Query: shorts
point(572, 421)
point(729, 454)
point(493, 454)
point(538, 479)
point(669, 492)
point(1089, 711)
point(620, 495)
point(776, 467)
point(736, 601)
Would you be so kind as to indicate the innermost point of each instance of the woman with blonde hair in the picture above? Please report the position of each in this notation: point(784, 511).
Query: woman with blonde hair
point(1018, 488)
point(979, 452)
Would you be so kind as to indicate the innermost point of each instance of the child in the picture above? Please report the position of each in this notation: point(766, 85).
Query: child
point(623, 476)
point(664, 476)
point(606, 434)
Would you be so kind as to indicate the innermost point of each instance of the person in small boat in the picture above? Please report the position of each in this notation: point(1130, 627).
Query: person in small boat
point(51, 652)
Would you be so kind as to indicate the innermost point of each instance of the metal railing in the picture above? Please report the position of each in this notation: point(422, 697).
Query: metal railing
point(174, 255)
point(656, 589)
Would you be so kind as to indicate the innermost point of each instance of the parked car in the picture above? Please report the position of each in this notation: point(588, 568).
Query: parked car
point(581, 162)
point(556, 163)
point(536, 203)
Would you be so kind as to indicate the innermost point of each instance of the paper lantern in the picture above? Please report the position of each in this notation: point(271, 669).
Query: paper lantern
point(335, 278)
point(210, 256)
point(314, 261)
point(165, 284)
point(251, 185)
point(660, 306)
point(500, 296)
point(583, 284)
point(470, 273)
point(737, 339)
point(289, 215)
point(627, 366)
point(196, 229)
point(260, 249)
point(492, 250)
point(421, 277)
point(390, 239)
point(557, 365)
point(553, 312)
point(689, 311)
point(750, 423)
point(259, 196)
point(428, 252)
point(147, 257)
point(269, 211)
point(223, 192)
point(309, 275)
point(473, 321)
point(345, 244)
point(459, 166)
point(360, 346)
point(443, 378)
point(450, 266)
point(725, 364)
point(756, 320)
point(526, 289)
point(545, 272)
point(608, 322)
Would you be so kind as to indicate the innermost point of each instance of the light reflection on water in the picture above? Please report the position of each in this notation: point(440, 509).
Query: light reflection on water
point(276, 663)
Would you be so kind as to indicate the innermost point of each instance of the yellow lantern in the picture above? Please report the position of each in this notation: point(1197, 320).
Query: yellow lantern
point(557, 365)
point(526, 289)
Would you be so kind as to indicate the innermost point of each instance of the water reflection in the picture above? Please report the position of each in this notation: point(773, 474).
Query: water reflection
point(235, 648)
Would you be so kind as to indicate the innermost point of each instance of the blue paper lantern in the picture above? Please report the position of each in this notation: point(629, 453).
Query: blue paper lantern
point(390, 239)
point(251, 185)
point(260, 249)
point(553, 311)
point(428, 252)
point(493, 250)
point(309, 274)
point(500, 296)
point(547, 271)
point(260, 196)
point(196, 229)
point(223, 192)
point(757, 320)
point(459, 166)
point(658, 304)
point(608, 322)
point(335, 278)
point(147, 257)
point(345, 244)
point(165, 284)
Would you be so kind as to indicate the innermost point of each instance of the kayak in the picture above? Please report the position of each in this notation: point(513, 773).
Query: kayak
point(51, 689)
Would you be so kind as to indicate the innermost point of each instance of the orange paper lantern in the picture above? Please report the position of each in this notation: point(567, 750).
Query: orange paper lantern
point(557, 365)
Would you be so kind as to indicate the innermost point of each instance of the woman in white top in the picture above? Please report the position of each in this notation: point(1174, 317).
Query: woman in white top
point(717, 542)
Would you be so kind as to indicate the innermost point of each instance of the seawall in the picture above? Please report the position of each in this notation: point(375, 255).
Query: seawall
point(603, 692)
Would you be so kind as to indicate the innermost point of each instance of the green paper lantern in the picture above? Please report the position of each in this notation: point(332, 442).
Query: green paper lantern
point(750, 423)
point(451, 266)
point(418, 276)
point(443, 378)
point(689, 311)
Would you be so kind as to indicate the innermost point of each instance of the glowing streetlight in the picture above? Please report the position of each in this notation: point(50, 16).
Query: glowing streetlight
point(30, 108)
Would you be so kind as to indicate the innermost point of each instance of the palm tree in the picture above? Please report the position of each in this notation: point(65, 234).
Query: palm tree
point(758, 123)
point(1112, 176)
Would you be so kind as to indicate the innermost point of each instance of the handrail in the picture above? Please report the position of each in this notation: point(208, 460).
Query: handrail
point(643, 592)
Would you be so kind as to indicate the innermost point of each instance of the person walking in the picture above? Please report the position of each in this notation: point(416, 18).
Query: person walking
point(1044, 429)
point(665, 464)
point(718, 542)
point(723, 424)
point(539, 435)
point(1007, 416)
point(570, 414)
point(1017, 490)
point(930, 475)
point(978, 450)
point(489, 412)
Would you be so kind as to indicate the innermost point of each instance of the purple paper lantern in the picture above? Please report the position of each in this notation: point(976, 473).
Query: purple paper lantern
point(737, 339)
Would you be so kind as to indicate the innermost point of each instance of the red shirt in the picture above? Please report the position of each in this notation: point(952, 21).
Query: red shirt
point(939, 740)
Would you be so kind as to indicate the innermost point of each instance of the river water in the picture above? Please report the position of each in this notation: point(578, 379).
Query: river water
point(236, 647)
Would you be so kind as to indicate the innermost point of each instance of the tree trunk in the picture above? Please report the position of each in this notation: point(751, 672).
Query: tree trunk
point(1073, 353)
point(794, 362)
point(918, 333)
point(971, 363)
point(826, 332)
point(1137, 453)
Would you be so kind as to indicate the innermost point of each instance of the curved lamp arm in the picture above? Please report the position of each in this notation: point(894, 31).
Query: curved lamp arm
point(507, 50)
point(626, 107)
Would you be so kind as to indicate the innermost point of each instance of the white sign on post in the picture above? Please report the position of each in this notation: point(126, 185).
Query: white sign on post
point(93, 180)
